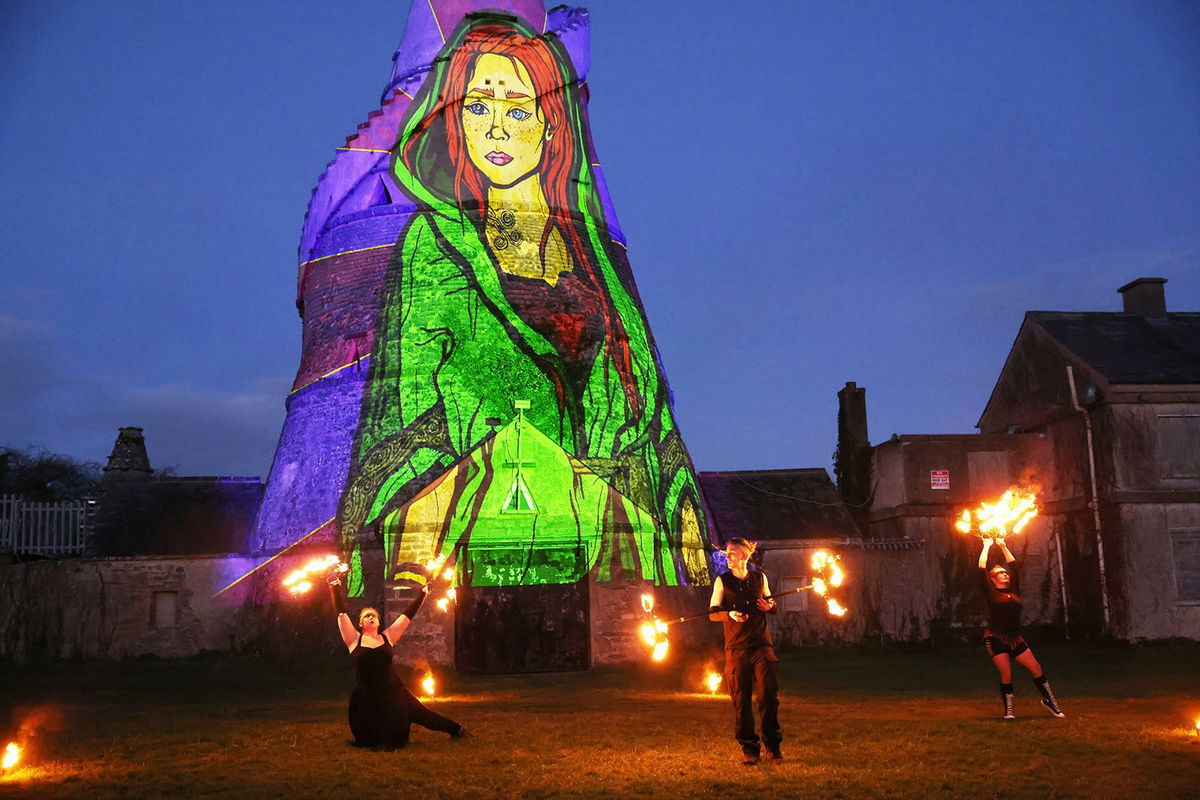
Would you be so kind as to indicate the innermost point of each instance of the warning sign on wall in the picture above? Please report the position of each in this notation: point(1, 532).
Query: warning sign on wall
point(939, 479)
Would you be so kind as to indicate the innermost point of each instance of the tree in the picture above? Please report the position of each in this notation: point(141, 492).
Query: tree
point(46, 477)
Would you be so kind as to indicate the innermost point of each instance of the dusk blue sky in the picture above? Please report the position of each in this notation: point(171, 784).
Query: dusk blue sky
point(813, 192)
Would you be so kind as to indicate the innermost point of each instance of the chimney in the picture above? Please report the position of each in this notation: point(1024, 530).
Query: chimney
point(1145, 296)
point(852, 462)
point(129, 458)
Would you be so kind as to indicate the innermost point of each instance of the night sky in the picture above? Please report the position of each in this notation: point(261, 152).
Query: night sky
point(813, 192)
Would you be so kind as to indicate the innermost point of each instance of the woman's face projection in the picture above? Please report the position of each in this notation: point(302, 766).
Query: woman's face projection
point(504, 130)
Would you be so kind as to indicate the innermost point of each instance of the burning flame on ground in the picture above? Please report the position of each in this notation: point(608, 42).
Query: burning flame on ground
point(12, 754)
point(713, 681)
point(428, 685)
point(297, 581)
point(1006, 517)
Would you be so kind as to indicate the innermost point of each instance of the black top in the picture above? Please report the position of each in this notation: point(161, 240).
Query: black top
point(1004, 606)
point(753, 632)
point(372, 665)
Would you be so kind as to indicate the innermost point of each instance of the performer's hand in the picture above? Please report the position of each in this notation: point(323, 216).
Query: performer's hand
point(738, 616)
point(764, 604)
point(987, 541)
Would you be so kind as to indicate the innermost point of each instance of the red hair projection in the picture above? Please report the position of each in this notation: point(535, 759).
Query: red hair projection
point(558, 161)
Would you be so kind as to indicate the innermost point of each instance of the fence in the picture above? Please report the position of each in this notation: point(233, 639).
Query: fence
point(44, 529)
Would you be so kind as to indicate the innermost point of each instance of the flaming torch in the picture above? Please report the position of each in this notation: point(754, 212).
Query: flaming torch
point(437, 569)
point(829, 565)
point(12, 755)
point(654, 631)
point(300, 581)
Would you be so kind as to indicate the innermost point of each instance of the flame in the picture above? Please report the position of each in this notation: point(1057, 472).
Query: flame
point(660, 650)
point(297, 581)
point(654, 634)
point(819, 586)
point(1006, 517)
point(832, 576)
point(428, 685)
point(713, 681)
point(452, 594)
point(835, 608)
point(12, 754)
point(434, 565)
point(443, 603)
point(448, 573)
point(647, 602)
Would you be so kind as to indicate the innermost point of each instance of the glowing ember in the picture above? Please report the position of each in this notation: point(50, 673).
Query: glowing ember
point(713, 681)
point(428, 685)
point(1007, 516)
point(647, 602)
point(297, 581)
point(12, 754)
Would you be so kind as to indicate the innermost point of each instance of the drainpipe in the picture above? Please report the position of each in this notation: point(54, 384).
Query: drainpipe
point(1062, 584)
point(1094, 501)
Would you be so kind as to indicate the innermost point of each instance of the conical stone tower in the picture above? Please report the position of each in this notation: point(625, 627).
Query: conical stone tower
point(478, 379)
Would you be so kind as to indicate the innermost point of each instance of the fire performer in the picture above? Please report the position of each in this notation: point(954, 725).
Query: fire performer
point(1002, 638)
point(749, 652)
point(382, 709)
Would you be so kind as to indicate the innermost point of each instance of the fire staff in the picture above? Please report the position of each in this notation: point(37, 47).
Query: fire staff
point(382, 709)
point(1002, 637)
point(751, 667)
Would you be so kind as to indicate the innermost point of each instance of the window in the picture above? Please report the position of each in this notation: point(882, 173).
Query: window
point(1185, 552)
point(519, 500)
point(797, 601)
point(1179, 446)
point(164, 613)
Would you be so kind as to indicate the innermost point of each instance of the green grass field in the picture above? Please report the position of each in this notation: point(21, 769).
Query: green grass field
point(857, 725)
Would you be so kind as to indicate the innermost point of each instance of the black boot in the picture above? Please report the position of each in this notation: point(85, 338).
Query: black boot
point(1006, 694)
point(1048, 700)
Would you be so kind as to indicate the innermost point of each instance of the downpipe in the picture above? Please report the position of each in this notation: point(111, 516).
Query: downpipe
point(1094, 501)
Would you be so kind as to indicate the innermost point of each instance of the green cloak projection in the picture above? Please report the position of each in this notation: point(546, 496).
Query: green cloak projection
point(506, 291)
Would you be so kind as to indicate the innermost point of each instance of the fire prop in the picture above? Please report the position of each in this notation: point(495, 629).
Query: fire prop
point(827, 565)
point(654, 632)
point(299, 581)
point(428, 685)
point(1006, 517)
point(437, 569)
point(12, 755)
point(713, 681)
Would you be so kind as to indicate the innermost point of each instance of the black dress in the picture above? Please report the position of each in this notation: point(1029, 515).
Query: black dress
point(382, 710)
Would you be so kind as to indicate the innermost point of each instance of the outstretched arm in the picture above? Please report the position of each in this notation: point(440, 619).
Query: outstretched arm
point(983, 554)
point(345, 626)
point(765, 602)
point(397, 628)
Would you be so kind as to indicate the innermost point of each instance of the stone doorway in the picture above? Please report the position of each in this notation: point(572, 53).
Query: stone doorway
point(510, 629)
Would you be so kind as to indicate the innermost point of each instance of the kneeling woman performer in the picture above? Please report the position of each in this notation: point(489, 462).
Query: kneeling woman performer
point(1002, 637)
point(382, 709)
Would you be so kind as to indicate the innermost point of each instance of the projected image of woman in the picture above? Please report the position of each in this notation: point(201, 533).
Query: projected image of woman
point(507, 286)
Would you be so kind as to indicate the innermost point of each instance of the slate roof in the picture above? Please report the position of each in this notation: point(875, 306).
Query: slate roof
point(1129, 348)
point(775, 504)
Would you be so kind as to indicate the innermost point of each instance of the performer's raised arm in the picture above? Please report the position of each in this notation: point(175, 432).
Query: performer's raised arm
point(397, 628)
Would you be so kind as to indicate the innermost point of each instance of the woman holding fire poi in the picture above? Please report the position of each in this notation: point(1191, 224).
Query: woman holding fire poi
point(1002, 638)
point(749, 651)
point(382, 709)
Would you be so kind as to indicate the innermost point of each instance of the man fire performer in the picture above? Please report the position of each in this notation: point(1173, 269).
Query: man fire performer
point(740, 601)
point(1002, 638)
point(382, 709)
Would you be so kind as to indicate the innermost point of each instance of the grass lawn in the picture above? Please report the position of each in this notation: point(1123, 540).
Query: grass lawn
point(857, 725)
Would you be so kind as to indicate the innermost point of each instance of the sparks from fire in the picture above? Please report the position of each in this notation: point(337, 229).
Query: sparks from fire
point(1007, 516)
point(12, 754)
point(298, 581)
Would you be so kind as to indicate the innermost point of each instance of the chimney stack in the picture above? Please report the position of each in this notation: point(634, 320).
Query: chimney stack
point(1145, 296)
point(128, 458)
point(852, 463)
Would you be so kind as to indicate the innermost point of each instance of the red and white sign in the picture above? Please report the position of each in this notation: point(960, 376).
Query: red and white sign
point(939, 479)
